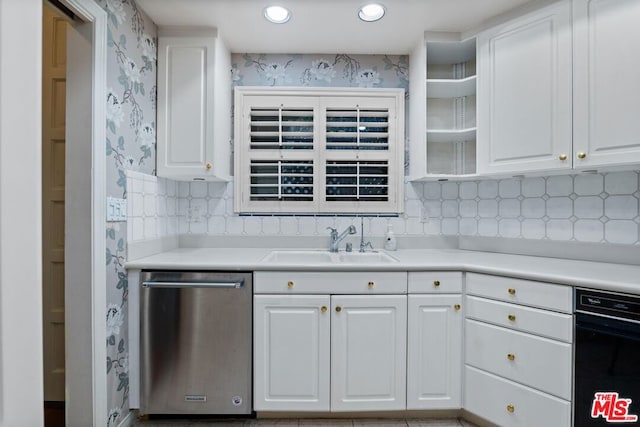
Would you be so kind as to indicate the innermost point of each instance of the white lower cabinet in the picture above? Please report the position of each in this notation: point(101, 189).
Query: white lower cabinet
point(434, 360)
point(368, 352)
point(330, 353)
point(506, 403)
point(291, 352)
point(518, 351)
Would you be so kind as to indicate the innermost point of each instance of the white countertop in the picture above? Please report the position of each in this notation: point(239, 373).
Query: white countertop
point(599, 275)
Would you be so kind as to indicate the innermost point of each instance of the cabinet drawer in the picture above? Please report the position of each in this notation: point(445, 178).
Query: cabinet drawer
point(528, 359)
point(518, 291)
point(506, 403)
point(526, 319)
point(436, 282)
point(307, 282)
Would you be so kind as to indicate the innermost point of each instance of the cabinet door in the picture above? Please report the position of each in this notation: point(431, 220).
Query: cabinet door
point(291, 353)
point(434, 359)
point(185, 106)
point(524, 93)
point(368, 353)
point(606, 83)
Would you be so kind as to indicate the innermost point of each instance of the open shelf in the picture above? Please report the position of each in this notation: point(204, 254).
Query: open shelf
point(451, 88)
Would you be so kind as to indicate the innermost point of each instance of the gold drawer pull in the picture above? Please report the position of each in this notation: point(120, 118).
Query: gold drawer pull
point(208, 166)
point(512, 317)
point(323, 309)
point(511, 356)
point(436, 283)
point(456, 307)
point(511, 409)
point(581, 155)
point(562, 157)
point(511, 291)
point(290, 284)
point(338, 309)
point(371, 285)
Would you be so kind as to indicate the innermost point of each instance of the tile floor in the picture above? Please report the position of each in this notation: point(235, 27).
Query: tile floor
point(363, 422)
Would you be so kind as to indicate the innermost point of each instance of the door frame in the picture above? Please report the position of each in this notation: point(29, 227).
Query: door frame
point(92, 13)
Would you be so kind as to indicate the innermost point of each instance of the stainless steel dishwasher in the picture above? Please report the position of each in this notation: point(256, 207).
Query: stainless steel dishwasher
point(195, 348)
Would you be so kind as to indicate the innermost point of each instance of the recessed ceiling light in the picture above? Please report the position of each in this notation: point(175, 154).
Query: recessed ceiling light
point(371, 12)
point(277, 14)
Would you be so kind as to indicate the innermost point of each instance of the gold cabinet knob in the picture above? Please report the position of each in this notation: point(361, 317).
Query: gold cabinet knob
point(562, 157)
point(371, 285)
point(323, 309)
point(511, 356)
point(338, 309)
point(581, 155)
point(511, 291)
point(512, 317)
point(436, 283)
point(511, 409)
point(208, 166)
point(457, 307)
point(290, 284)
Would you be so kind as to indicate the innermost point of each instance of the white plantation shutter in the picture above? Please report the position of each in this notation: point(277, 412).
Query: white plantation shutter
point(319, 150)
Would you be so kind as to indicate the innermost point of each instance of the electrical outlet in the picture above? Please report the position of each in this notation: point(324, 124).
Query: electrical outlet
point(424, 214)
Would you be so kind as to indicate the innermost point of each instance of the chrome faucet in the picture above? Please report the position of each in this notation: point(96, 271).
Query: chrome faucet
point(363, 244)
point(337, 238)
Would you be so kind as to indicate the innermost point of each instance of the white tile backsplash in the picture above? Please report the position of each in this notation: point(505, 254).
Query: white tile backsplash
point(585, 208)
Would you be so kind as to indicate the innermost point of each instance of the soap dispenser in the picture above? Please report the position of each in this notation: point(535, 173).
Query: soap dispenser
point(390, 242)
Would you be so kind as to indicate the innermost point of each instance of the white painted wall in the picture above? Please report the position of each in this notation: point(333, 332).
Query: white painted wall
point(21, 389)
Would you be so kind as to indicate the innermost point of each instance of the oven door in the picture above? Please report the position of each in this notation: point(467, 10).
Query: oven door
point(607, 361)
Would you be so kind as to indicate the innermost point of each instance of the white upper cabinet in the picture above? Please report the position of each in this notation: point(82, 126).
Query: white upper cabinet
point(606, 84)
point(194, 104)
point(525, 93)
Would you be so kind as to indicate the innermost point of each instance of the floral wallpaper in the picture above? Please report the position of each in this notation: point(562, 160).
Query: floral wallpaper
point(130, 145)
point(338, 70)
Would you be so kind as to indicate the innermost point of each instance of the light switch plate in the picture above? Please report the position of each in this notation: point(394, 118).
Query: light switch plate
point(116, 209)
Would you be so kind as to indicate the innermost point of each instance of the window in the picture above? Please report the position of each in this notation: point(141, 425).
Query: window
point(319, 150)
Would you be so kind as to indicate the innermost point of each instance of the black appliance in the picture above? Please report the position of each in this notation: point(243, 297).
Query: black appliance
point(607, 359)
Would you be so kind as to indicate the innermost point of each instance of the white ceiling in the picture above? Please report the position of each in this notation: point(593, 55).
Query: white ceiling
point(326, 26)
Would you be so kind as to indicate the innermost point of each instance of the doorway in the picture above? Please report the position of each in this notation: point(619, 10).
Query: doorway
point(54, 79)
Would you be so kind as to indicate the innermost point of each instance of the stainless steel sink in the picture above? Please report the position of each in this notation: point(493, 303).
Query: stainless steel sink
point(325, 257)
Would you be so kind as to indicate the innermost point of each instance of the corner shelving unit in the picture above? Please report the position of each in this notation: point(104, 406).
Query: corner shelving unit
point(443, 108)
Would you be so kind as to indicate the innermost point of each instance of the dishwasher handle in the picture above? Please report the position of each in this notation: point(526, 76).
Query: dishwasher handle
point(230, 284)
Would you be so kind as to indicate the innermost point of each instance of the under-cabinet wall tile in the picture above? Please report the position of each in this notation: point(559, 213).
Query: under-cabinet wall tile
point(509, 208)
point(509, 228)
point(588, 184)
point(621, 182)
point(450, 190)
point(559, 229)
point(590, 207)
point(216, 225)
point(235, 225)
point(561, 185)
point(621, 207)
point(449, 226)
point(252, 225)
point(488, 227)
point(289, 225)
point(270, 225)
point(468, 226)
point(450, 208)
point(620, 232)
point(432, 190)
point(150, 230)
point(306, 226)
point(468, 190)
point(533, 208)
point(559, 207)
point(414, 226)
point(468, 208)
point(149, 204)
point(488, 189)
point(533, 187)
point(198, 189)
point(488, 209)
point(588, 230)
point(533, 229)
point(137, 230)
point(136, 204)
point(509, 188)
